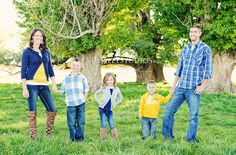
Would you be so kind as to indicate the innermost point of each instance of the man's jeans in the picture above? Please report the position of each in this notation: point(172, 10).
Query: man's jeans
point(106, 114)
point(171, 108)
point(76, 121)
point(149, 127)
point(44, 93)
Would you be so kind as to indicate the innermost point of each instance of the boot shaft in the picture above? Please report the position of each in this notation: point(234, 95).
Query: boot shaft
point(49, 123)
point(103, 133)
point(32, 124)
point(114, 133)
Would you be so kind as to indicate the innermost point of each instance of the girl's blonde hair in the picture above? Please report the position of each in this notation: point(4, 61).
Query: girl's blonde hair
point(104, 82)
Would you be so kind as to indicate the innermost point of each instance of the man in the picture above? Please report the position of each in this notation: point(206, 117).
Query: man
point(193, 72)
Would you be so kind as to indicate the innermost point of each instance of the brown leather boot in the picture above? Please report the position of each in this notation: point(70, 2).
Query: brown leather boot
point(103, 133)
point(49, 123)
point(114, 133)
point(32, 124)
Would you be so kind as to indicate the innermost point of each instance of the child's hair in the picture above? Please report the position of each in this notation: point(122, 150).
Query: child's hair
point(151, 82)
point(77, 60)
point(104, 83)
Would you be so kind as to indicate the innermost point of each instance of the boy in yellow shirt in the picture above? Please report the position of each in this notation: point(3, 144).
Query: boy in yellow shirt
point(148, 109)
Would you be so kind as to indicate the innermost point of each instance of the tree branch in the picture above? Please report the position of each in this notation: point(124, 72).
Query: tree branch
point(68, 25)
point(75, 16)
point(179, 20)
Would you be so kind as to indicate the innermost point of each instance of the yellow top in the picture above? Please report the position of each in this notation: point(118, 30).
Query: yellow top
point(40, 76)
point(150, 104)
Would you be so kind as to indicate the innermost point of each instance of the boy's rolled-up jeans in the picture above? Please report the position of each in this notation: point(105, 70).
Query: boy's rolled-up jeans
point(149, 127)
point(76, 121)
point(193, 101)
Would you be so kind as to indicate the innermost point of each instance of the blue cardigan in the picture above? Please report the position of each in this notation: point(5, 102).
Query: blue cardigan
point(31, 61)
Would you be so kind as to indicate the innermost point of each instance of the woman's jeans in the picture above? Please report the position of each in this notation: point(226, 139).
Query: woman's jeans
point(76, 122)
point(193, 101)
point(106, 114)
point(149, 127)
point(45, 95)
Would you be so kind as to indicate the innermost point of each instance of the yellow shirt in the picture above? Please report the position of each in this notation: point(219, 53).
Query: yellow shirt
point(40, 76)
point(150, 104)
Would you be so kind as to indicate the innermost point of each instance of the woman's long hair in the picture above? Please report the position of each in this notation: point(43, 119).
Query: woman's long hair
point(43, 46)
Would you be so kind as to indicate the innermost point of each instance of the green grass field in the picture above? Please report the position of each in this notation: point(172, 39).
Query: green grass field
point(216, 134)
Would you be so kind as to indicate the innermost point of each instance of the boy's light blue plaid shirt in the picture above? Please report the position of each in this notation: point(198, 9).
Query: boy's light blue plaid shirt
point(74, 88)
point(194, 66)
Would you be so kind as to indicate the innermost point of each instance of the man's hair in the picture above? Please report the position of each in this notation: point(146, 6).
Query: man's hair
point(196, 26)
point(151, 82)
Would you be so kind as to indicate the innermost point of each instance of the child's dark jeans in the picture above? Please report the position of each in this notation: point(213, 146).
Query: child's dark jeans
point(76, 121)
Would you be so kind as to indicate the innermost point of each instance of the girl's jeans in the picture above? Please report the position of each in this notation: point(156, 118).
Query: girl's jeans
point(105, 114)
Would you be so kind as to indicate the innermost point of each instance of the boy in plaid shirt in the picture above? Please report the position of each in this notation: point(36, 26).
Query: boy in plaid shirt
point(75, 86)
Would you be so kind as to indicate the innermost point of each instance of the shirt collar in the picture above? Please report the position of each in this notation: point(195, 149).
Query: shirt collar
point(196, 46)
point(74, 75)
point(151, 94)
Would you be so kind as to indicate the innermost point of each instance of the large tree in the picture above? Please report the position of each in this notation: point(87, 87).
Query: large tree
point(133, 26)
point(218, 19)
point(73, 28)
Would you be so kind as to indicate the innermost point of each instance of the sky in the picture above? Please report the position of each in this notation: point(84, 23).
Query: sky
point(9, 31)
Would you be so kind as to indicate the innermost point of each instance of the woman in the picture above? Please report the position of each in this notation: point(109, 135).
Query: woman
point(36, 68)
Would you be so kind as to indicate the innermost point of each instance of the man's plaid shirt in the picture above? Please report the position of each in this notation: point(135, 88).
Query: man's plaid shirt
point(194, 66)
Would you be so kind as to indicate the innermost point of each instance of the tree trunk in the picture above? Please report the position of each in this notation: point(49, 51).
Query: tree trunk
point(223, 65)
point(91, 68)
point(150, 71)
